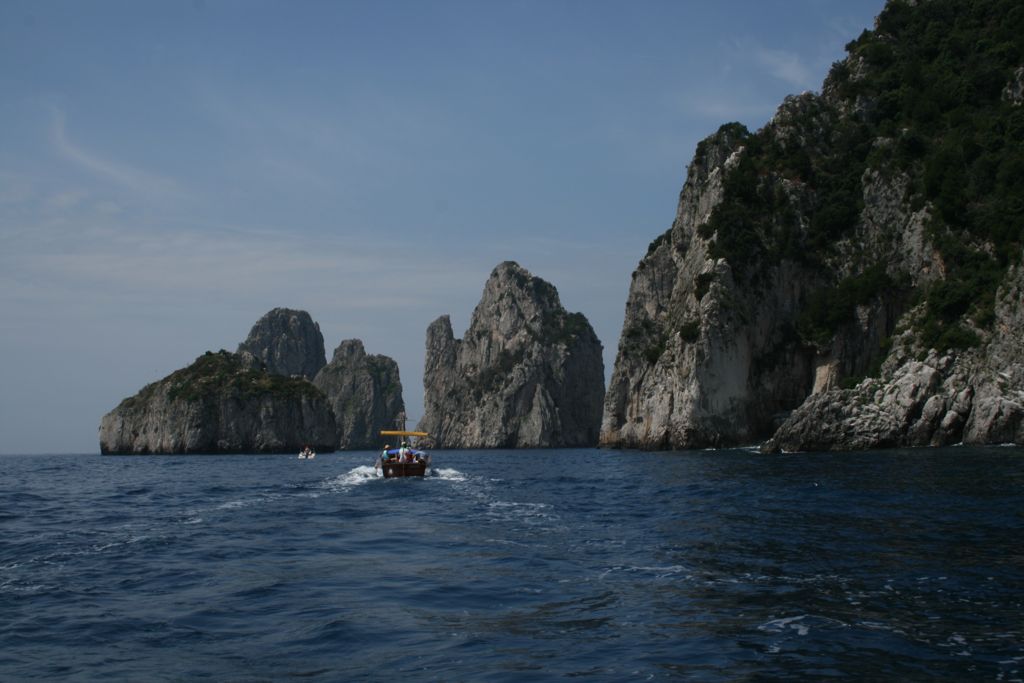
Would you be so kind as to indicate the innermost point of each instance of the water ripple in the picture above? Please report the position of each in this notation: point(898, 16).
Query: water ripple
point(514, 565)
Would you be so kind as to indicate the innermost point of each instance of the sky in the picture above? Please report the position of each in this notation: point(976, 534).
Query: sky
point(172, 170)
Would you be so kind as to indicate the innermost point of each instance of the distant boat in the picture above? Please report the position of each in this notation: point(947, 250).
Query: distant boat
point(307, 453)
point(405, 461)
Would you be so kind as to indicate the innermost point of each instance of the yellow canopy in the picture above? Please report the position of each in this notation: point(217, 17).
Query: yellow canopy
point(402, 433)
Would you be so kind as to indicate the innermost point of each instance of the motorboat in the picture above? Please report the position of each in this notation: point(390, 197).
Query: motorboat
point(406, 461)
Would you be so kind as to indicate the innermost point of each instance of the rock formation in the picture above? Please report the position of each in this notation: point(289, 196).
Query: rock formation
point(526, 374)
point(849, 274)
point(218, 405)
point(975, 396)
point(365, 393)
point(287, 343)
point(689, 346)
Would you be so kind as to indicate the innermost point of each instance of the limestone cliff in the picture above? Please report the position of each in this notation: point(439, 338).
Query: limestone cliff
point(217, 405)
point(286, 342)
point(526, 374)
point(691, 368)
point(365, 393)
point(855, 261)
point(924, 397)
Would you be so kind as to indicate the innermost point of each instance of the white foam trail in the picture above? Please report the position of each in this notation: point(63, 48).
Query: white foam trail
point(779, 625)
point(449, 474)
point(354, 477)
point(669, 571)
point(246, 502)
point(513, 504)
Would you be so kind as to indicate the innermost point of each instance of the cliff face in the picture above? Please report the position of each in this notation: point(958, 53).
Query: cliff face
point(216, 405)
point(855, 261)
point(703, 360)
point(365, 393)
point(924, 397)
point(286, 342)
point(526, 374)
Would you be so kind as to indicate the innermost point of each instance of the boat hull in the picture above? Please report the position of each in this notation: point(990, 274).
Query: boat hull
point(404, 469)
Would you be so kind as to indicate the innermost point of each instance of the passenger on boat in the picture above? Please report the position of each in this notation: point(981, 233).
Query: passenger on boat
point(383, 456)
point(404, 454)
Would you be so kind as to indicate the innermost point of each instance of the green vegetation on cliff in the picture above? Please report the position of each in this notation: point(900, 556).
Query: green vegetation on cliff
point(222, 374)
point(830, 308)
point(932, 94)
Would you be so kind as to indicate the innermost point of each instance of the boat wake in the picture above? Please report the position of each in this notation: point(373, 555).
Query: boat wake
point(354, 477)
point(448, 473)
point(361, 474)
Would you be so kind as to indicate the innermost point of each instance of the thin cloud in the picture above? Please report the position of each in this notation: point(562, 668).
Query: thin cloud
point(728, 108)
point(717, 107)
point(127, 262)
point(785, 66)
point(737, 92)
point(123, 175)
point(743, 55)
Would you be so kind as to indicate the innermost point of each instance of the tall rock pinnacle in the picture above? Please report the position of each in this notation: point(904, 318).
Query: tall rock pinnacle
point(365, 393)
point(527, 374)
point(287, 342)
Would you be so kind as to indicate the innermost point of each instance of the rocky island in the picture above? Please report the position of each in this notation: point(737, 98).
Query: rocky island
point(526, 374)
point(849, 276)
point(218, 405)
point(276, 394)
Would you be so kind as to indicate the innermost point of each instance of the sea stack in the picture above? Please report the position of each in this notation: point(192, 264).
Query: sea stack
point(287, 342)
point(364, 391)
point(526, 374)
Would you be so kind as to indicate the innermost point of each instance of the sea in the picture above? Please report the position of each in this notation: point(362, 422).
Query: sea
point(526, 565)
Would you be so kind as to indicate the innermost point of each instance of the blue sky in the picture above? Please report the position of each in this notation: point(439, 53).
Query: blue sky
point(170, 171)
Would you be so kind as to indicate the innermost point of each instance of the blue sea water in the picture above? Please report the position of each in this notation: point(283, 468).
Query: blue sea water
point(515, 566)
